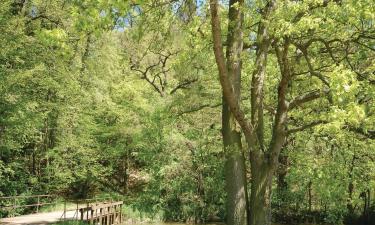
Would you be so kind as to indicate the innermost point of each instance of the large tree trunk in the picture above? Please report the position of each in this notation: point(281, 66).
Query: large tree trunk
point(263, 163)
point(235, 177)
point(235, 172)
point(262, 167)
point(260, 198)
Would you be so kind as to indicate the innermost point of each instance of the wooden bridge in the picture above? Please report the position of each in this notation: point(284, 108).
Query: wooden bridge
point(103, 211)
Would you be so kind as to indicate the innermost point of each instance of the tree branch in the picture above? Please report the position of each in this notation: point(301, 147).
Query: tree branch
point(299, 16)
point(312, 71)
point(183, 85)
point(145, 77)
point(200, 108)
point(279, 127)
point(196, 109)
point(370, 134)
point(310, 96)
point(306, 126)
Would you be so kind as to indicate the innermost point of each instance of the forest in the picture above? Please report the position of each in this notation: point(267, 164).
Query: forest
point(248, 112)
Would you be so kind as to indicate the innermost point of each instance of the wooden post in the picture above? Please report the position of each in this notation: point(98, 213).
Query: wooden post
point(108, 212)
point(77, 210)
point(87, 211)
point(121, 213)
point(101, 216)
point(105, 216)
point(64, 209)
point(37, 206)
point(96, 216)
point(92, 216)
point(114, 215)
point(82, 212)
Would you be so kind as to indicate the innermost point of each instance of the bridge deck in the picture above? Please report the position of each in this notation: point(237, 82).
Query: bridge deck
point(39, 218)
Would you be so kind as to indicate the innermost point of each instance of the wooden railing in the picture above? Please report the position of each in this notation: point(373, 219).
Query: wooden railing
point(82, 203)
point(12, 202)
point(104, 213)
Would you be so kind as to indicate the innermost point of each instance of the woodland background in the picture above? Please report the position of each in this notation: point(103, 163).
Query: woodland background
point(123, 98)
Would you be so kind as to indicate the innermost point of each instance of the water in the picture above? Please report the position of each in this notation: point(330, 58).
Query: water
point(175, 223)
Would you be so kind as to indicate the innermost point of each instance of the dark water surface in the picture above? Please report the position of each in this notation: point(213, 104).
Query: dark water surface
point(172, 223)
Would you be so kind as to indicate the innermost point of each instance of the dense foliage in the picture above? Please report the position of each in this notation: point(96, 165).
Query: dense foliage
point(123, 97)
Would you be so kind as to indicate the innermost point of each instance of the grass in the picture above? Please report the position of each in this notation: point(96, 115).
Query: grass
point(133, 215)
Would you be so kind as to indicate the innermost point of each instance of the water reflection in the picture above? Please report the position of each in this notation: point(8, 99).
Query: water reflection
point(171, 223)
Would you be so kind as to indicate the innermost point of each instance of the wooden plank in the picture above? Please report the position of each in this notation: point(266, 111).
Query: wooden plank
point(101, 216)
point(91, 216)
point(114, 214)
point(121, 213)
point(82, 213)
point(106, 205)
point(109, 210)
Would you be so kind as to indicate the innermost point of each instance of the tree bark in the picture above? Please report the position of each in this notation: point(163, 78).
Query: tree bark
point(235, 177)
point(263, 160)
point(261, 184)
point(235, 171)
point(282, 185)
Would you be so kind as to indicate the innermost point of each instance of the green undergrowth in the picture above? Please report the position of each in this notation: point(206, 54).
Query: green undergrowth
point(133, 215)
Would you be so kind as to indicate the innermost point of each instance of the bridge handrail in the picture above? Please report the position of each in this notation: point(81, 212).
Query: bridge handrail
point(38, 204)
point(25, 196)
point(16, 206)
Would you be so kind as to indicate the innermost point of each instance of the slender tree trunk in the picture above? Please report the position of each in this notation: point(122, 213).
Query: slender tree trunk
point(310, 196)
point(349, 204)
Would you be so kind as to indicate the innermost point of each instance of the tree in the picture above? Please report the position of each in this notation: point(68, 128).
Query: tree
point(286, 46)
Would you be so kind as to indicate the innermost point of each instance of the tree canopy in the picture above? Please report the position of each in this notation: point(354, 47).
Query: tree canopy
point(196, 110)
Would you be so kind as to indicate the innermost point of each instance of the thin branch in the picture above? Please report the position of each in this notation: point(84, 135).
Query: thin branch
point(306, 126)
point(183, 85)
point(42, 16)
point(299, 16)
point(313, 72)
point(200, 108)
point(145, 77)
point(153, 85)
point(310, 96)
point(370, 134)
point(308, 71)
point(366, 46)
point(360, 76)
